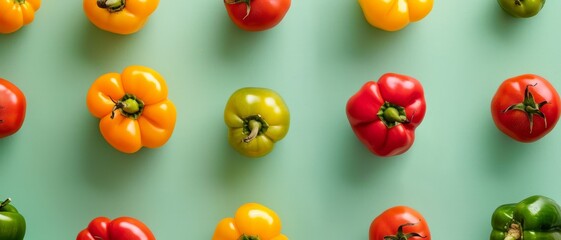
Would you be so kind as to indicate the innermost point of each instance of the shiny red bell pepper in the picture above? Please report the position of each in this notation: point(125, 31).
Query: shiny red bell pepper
point(123, 228)
point(384, 114)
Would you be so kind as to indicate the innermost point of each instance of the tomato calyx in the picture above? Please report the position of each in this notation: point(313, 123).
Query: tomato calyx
point(529, 106)
point(111, 5)
point(403, 236)
point(392, 115)
point(514, 232)
point(254, 126)
point(248, 237)
point(247, 5)
point(129, 105)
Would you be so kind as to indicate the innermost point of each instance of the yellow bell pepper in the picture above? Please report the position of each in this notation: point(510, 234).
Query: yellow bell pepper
point(252, 221)
point(393, 15)
point(133, 107)
point(256, 118)
point(119, 16)
point(15, 14)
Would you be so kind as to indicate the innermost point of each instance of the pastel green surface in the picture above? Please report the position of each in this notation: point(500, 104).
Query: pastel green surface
point(320, 180)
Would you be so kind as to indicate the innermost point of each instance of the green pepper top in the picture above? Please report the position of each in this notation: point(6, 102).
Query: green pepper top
point(12, 224)
point(534, 218)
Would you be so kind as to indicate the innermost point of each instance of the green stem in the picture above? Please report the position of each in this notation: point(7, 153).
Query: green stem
point(129, 105)
point(20, 1)
point(255, 126)
point(248, 237)
point(111, 5)
point(5, 202)
point(392, 114)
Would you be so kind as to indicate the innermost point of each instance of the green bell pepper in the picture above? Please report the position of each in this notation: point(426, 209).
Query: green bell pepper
point(536, 217)
point(12, 224)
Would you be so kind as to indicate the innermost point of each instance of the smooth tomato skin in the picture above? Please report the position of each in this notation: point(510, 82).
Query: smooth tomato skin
point(12, 108)
point(515, 123)
point(387, 223)
point(263, 15)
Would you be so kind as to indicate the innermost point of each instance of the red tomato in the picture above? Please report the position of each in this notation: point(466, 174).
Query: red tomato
point(526, 107)
point(12, 108)
point(256, 15)
point(399, 223)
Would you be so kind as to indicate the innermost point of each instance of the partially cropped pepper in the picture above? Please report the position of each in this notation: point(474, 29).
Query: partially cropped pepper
point(12, 223)
point(534, 218)
point(252, 221)
point(14, 14)
point(384, 114)
point(256, 118)
point(122, 228)
point(133, 107)
point(393, 15)
point(120, 16)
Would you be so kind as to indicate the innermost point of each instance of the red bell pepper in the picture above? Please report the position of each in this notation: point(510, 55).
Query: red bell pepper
point(384, 114)
point(123, 228)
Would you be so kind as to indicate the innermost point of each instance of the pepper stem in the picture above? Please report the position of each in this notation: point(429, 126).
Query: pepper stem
point(5, 202)
point(20, 1)
point(247, 5)
point(254, 126)
point(111, 5)
point(514, 232)
point(530, 107)
point(129, 105)
point(248, 237)
point(392, 114)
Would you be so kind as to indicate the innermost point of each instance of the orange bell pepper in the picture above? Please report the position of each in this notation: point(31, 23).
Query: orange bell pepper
point(120, 16)
point(133, 107)
point(252, 221)
point(15, 14)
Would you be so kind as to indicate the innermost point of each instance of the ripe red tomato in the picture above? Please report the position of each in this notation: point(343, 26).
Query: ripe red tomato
point(399, 223)
point(526, 107)
point(12, 108)
point(256, 15)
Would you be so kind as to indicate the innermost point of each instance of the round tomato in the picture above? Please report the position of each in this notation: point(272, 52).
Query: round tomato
point(526, 107)
point(399, 223)
point(256, 15)
point(12, 108)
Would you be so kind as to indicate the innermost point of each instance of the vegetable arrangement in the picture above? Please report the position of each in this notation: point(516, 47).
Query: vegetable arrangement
point(12, 108)
point(384, 114)
point(135, 112)
point(14, 14)
point(134, 108)
point(12, 223)
point(122, 228)
point(252, 221)
point(399, 223)
point(534, 218)
point(257, 118)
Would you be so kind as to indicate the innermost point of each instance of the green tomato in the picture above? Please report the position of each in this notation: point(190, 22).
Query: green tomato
point(12, 224)
point(522, 8)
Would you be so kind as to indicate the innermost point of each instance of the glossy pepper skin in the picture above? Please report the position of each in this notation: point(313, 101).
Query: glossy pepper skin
point(522, 8)
point(252, 221)
point(256, 119)
point(394, 15)
point(119, 16)
point(133, 107)
point(122, 228)
point(534, 218)
point(384, 114)
point(12, 223)
point(14, 14)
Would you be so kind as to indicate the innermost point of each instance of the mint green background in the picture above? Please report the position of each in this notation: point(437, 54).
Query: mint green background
point(320, 179)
